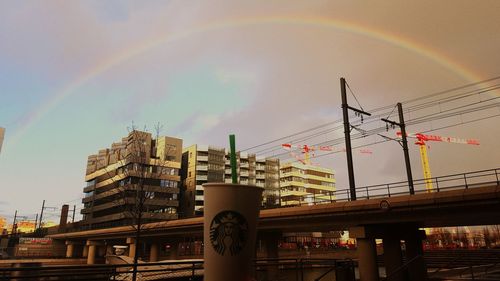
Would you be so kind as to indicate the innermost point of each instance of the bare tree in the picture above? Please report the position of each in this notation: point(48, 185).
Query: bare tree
point(144, 162)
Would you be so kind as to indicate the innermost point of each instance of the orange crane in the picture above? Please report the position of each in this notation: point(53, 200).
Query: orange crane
point(422, 140)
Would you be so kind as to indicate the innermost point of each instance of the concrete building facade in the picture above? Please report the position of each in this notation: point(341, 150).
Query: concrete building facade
point(139, 169)
point(302, 184)
point(203, 164)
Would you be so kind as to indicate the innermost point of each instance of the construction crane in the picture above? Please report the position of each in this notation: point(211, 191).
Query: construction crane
point(305, 149)
point(422, 140)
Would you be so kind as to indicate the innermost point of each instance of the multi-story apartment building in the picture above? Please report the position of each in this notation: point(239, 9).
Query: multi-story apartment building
point(202, 164)
point(2, 132)
point(305, 184)
point(139, 170)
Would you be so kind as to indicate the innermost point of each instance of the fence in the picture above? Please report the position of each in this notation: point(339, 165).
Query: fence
point(449, 182)
point(266, 270)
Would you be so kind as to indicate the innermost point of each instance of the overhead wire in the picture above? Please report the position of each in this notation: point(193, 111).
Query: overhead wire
point(411, 122)
point(426, 131)
point(352, 93)
point(407, 109)
point(376, 117)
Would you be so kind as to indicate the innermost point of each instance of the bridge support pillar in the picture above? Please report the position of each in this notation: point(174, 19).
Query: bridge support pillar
point(70, 249)
point(132, 247)
point(85, 252)
point(367, 253)
point(92, 250)
point(91, 255)
point(393, 258)
point(417, 269)
point(153, 252)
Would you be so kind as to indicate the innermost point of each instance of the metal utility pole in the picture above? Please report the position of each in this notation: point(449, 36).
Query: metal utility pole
point(74, 210)
point(347, 132)
point(36, 220)
point(402, 126)
point(14, 223)
point(41, 213)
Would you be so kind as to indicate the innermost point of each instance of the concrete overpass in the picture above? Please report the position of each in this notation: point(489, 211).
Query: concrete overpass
point(464, 199)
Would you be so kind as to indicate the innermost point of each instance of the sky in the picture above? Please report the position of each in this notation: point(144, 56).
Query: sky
point(74, 75)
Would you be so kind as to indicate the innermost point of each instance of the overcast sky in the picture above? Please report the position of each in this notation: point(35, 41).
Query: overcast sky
point(75, 74)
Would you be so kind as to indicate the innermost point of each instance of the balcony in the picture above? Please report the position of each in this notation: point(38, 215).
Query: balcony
point(86, 211)
point(201, 168)
point(89, 188)
point(150, 188)
point(201, 177)
point(159, 216)
point(202, 158)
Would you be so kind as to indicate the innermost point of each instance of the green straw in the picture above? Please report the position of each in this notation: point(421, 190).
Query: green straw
point(232, 144)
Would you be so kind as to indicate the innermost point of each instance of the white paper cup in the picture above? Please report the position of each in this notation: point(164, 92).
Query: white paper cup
point(231, 212)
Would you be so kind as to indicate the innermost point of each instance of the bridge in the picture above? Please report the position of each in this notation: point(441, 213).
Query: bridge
point(385, 212)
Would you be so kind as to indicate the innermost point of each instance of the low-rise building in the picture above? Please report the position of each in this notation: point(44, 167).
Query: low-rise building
point(203, 164)
point(302, 184)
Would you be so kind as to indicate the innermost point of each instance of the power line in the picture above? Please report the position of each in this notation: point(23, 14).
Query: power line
point(426, 131)
point(410, 122)
point(408, 109)
point(352, 93)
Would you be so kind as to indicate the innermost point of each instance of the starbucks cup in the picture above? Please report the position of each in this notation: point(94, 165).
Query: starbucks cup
point(231, 212)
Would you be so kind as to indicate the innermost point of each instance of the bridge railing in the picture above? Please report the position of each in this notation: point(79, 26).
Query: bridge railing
point(265, 269)
point(435, 184)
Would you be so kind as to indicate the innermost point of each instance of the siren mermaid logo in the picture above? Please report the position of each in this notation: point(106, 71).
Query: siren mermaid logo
point(228, 233)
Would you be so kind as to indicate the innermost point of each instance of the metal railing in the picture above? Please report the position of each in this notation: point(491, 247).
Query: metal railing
point(463, 267)
point(442, 183)
point(265, 269)
point(396, 274)
point(303, 269)
point(179, 270)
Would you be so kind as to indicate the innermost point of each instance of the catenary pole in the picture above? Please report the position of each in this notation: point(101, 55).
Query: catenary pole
point(405, 148)
point(347, 133)
point(41, 214)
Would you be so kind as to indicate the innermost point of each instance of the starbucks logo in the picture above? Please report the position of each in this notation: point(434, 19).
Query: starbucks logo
point(228, 233)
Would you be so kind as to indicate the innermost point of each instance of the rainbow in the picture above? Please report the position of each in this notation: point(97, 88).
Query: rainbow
point(143, 47)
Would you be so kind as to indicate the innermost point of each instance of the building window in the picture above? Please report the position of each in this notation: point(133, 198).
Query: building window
point(168, 183)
